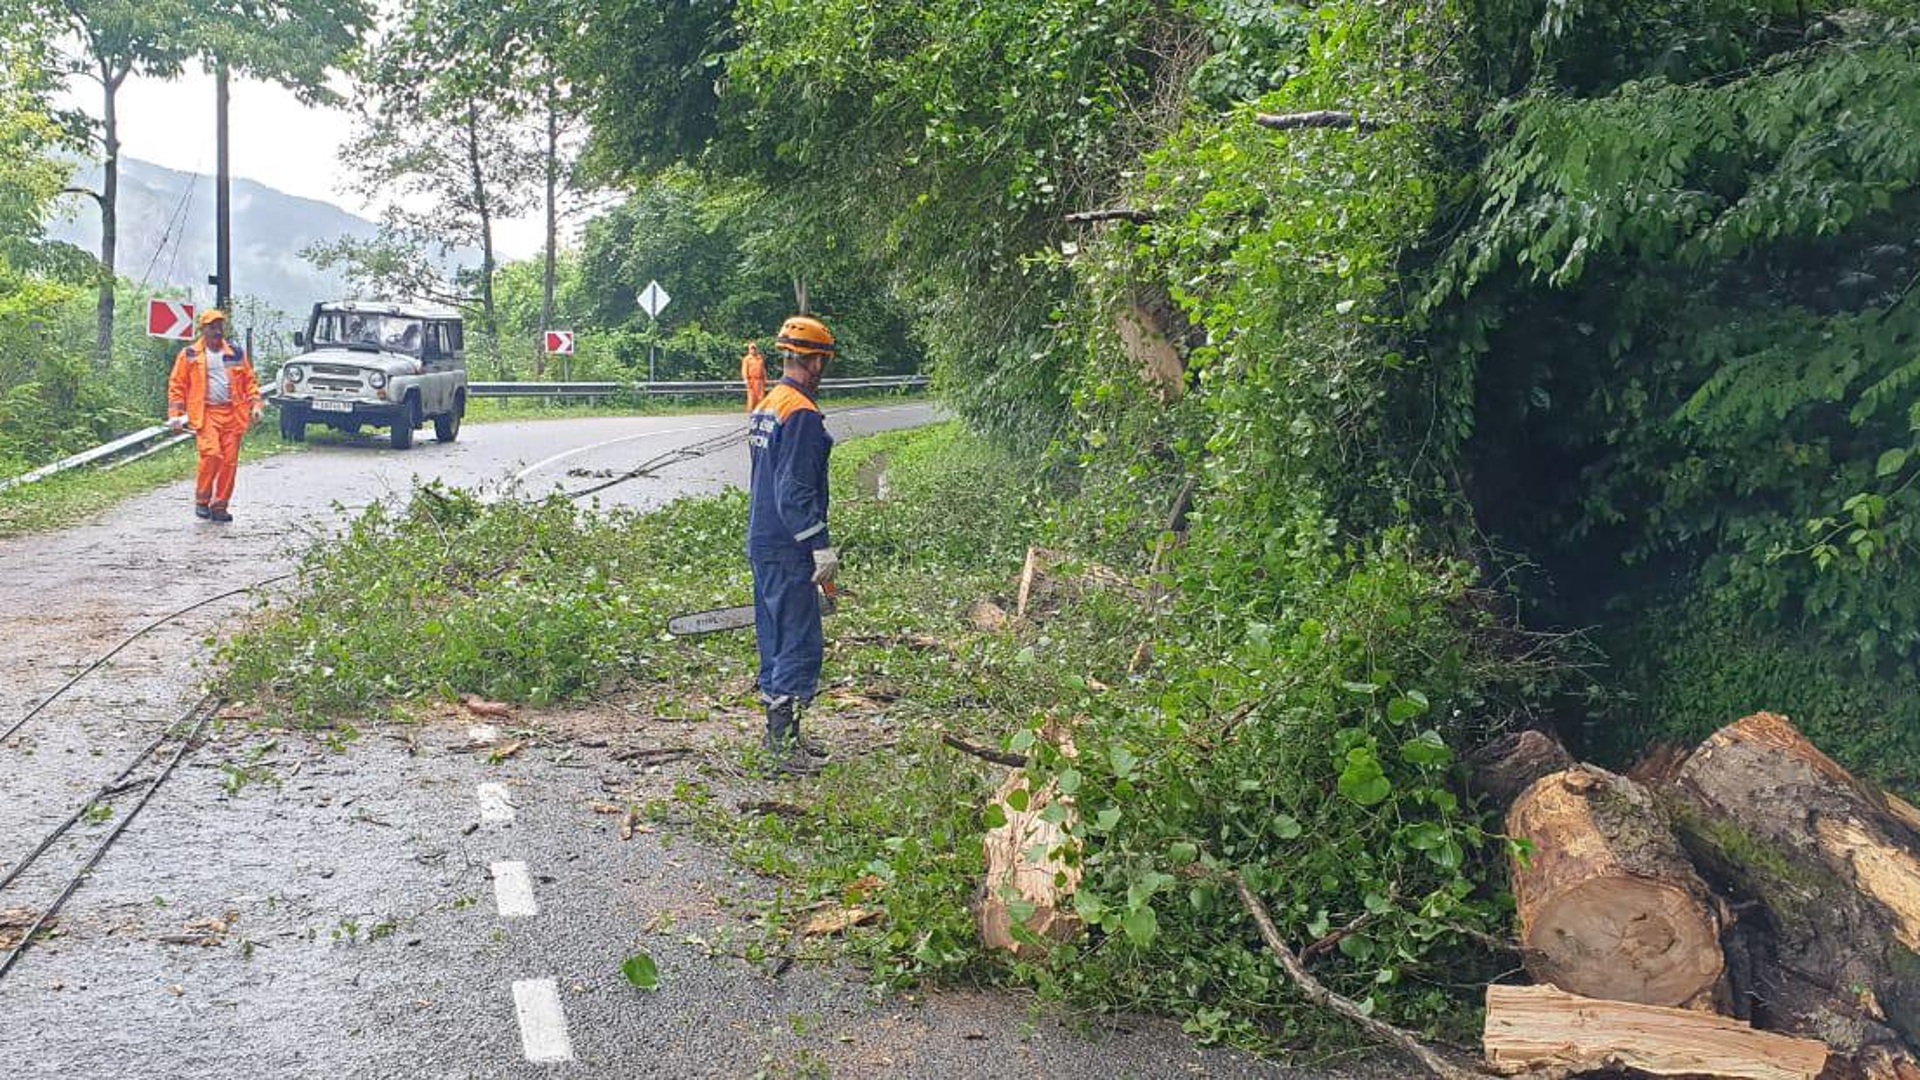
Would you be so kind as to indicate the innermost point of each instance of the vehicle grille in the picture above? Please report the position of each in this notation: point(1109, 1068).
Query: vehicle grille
point(336, 369)
point(346, 386)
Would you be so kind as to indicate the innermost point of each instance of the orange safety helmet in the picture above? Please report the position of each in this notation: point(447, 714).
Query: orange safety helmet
point(801, 334)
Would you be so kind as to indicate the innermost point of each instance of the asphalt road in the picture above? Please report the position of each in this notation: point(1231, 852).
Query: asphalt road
point(401, 905)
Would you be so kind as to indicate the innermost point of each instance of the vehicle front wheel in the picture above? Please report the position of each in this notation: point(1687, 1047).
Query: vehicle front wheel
point(400, 436)
point(293, 425)
point(446, 426)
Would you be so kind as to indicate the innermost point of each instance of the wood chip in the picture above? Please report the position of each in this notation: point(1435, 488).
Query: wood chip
point(480, 706)
point(838, 920)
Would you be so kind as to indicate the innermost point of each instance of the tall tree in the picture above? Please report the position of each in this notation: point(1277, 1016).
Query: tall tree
point(514, 53)
point(105, 42)
point(442, 140)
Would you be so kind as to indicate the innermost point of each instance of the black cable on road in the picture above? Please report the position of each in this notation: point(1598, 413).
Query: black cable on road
point(135, 636)
point(106, 789)
point(204, 710)
point(690, 452)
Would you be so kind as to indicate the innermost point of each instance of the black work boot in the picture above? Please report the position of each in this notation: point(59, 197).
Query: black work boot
point(808, 746)
point(783, 738)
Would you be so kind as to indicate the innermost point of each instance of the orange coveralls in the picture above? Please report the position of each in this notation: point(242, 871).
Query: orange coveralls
point(753, 369)
point(217, 429)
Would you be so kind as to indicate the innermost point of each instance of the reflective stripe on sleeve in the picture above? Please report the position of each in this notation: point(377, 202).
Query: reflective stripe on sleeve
point(805, 534)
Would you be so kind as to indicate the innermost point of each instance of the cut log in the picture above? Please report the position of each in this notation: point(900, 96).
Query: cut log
point(1831, 869)
point(1509, 765)
point(1027, 875)
point(1540, 1028)
point(1609, 906)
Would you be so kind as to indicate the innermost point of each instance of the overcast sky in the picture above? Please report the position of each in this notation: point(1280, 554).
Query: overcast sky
point(276, 141)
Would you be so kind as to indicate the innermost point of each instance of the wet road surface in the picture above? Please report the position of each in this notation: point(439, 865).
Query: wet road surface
point(403, 906)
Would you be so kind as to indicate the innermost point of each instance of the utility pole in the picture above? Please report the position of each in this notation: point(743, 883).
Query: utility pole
point(222, 200)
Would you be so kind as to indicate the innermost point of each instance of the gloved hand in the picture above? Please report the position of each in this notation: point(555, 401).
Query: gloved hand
point(826, 563)
point(177, 423)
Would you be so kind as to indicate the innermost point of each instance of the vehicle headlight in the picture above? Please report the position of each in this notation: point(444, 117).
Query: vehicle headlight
point(377, 380)
point(295, 373)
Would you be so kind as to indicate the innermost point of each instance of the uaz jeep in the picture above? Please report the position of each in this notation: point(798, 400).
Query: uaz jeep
point(375, 364)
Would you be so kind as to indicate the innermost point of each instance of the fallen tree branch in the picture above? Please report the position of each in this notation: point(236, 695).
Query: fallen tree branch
point(1318, 118)
point(1318, 994)
point(1085, 217)
point(1018, 761)
point(1334, 938)
point(653, 753)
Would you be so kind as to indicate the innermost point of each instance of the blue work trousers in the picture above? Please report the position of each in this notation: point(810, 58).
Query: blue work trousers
point(786, 618)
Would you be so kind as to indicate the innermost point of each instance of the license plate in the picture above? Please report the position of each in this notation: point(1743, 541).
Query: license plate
point(333, 406)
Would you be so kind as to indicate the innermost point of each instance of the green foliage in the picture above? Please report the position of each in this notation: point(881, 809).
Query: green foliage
point(1693, 669)
point(1687, 309)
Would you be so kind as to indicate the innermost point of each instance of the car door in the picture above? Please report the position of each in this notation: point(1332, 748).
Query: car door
point(436, 393)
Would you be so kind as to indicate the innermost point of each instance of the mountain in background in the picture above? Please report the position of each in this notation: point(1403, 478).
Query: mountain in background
point(166, 235)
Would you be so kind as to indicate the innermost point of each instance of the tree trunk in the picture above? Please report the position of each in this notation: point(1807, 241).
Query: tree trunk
point(1609, 906)
point(1539, 1028)
point(487, 317)
point(801, 306)
point(1509, 765)
point(553, 231)
point(1023, 870)
point(1832, 869)
point(110, 81)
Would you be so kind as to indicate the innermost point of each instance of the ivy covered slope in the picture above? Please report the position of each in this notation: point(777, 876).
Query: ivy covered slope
point(1684, 309)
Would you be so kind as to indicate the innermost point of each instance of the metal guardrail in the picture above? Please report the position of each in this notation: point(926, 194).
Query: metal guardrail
point(725, 386)
point(143, 443)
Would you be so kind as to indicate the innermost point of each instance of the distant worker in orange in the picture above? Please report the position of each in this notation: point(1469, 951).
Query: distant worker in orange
point(753, 368)
point(213, 393)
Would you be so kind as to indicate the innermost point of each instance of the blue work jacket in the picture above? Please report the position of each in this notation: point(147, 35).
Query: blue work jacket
point(788, 443)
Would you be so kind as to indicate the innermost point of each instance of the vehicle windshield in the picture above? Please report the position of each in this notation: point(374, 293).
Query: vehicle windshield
point(393, 333)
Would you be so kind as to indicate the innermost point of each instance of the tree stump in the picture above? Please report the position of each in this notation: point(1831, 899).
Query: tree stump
point(1609, 906)
point(1832, 868)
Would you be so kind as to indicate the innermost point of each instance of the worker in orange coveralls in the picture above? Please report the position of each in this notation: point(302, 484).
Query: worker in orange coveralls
point(753, 368)
point(213, 393)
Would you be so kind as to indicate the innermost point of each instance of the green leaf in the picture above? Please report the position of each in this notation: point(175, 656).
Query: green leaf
point(1181, 853)
point(1019, 800)
point(1891, 462)
point(1286, 826)
point(1406, 707)
point(1106, 819)
point(641, 971)
point(1141, 926)
point(1069, 781)
point(994, 816)
point(1362, 780)
point(1427, 748)
point(1123, 762)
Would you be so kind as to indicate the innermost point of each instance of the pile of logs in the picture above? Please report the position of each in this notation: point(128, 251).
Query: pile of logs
point(1749, 910)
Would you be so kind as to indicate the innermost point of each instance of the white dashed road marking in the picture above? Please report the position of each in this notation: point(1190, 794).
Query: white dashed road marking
point(513, 890)
point(543, 1027)
point(495, 808)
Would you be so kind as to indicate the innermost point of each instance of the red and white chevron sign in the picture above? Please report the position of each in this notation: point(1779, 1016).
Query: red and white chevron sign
point(170, 319)
point(559, 343)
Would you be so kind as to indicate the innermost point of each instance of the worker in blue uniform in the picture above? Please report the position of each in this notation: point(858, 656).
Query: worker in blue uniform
point(788, 545)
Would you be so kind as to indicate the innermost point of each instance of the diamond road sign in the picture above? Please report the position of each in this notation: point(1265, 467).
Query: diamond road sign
point(653, 299)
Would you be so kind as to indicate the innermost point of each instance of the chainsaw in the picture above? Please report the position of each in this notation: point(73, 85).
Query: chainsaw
point(737, 618)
